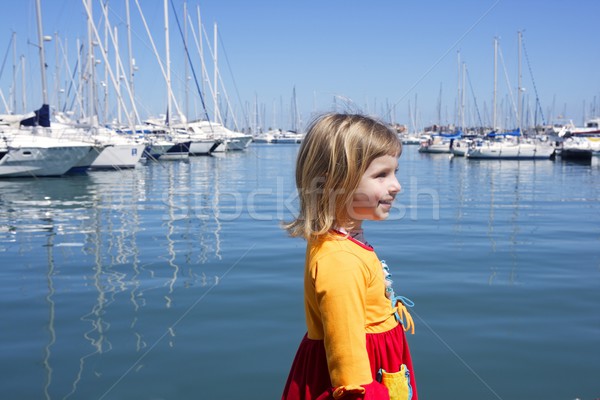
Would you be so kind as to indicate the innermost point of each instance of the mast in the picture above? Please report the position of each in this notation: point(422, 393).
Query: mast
point(106, 64)
point(186, 62)
point(457, 120)
point(201, 51)
point(23, 87)
point(81, 71)
point(462, 102)
point(14, 81)
point(216, 77)
point(114, 80)
point(57, 71)
point(519, 85)
point(439, 107)
point(130, 50)
point(90, 64)
point(495, 82)
point(168, 60)
point(118, 73)
point(38, 8)
point(415, 114)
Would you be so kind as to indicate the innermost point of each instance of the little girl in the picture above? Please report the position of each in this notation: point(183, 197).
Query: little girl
point(355, 344)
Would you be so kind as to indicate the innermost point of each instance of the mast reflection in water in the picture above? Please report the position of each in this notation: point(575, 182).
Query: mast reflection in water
point(175, 280)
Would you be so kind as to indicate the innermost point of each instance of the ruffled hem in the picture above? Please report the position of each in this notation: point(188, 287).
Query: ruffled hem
point(309, 375)
point(372, 391)
point(342, 391)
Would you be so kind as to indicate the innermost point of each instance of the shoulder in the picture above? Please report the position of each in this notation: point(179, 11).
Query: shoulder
point(340, 257)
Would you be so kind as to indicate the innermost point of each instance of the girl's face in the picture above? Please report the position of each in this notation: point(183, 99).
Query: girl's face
point(376, 191)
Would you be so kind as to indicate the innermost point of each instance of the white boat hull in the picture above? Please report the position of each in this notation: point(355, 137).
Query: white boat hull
point(88, 159)
point(288, 140)
point(521, 151)
point(179, 151)
point(202, 147)
point(438, 148)
point(234, 144)
point(119, 156)
point(230, 140)
point(156, 150)
point(41, 161)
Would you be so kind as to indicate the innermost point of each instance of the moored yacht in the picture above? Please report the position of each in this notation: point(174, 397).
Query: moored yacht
point(27, 155)
point(114, 150)
point(228, 140)
point(510, 151)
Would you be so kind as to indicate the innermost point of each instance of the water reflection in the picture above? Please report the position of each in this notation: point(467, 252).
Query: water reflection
point(51, 311)
point(90, 227)
point(494, 199)
point(508, 190)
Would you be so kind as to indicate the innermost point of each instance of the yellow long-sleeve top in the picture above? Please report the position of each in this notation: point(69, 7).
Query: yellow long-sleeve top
point(345, 299)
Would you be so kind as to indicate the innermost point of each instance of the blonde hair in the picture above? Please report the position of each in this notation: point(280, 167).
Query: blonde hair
point(332, 159)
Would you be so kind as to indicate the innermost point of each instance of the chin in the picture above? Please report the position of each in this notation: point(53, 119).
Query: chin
point(380, 217)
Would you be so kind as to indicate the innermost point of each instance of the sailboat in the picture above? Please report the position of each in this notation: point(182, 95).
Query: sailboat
point(509, 145)
point(229, 139)
point(440, 142)
point(30, 146)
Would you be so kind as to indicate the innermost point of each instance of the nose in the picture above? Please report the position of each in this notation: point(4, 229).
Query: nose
point(395, 186)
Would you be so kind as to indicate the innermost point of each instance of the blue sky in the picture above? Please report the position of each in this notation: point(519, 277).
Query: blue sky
point(379, 57)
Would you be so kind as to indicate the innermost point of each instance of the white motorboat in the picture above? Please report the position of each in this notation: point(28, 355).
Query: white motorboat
point(118, 150)
point(459, 148)
point(165, 142)
point(409, 139)
point(591, 128)
point(228, 140)
point(288, 137)
point(156, 147)
point(26, 155)
point(266, 137)
point(200, 147)
point(435, 144)
point(581, 148)
point(179, 151)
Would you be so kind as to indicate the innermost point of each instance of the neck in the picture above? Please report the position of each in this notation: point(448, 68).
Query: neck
point(354, 226)
point(355, 234)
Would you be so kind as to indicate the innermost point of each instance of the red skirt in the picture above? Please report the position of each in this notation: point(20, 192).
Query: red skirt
point(309, 375)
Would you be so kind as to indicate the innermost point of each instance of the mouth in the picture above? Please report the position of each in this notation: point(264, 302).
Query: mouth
point(386, 203)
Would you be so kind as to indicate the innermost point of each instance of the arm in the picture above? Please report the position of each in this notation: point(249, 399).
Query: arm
point(341, 280)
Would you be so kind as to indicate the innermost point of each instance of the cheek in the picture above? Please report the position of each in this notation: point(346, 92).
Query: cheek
point(366, 197)
point(361, 200)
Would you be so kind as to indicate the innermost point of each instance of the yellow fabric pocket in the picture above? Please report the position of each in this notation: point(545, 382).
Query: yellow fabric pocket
point(397, 383)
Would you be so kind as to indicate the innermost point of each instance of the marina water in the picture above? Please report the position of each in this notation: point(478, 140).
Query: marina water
point(174, 280)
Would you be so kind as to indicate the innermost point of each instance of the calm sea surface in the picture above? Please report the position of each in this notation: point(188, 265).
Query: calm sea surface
point(174, 280)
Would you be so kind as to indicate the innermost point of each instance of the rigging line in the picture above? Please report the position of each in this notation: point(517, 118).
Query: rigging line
point(512, 98)
point(537, 98)
point(190, 61)
point(77, 86)
point(458, 356)
point(72, 81)
point(474, 98)
point(233, 79)
point(229, 107)
point(200, 53)
point(12, 37)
